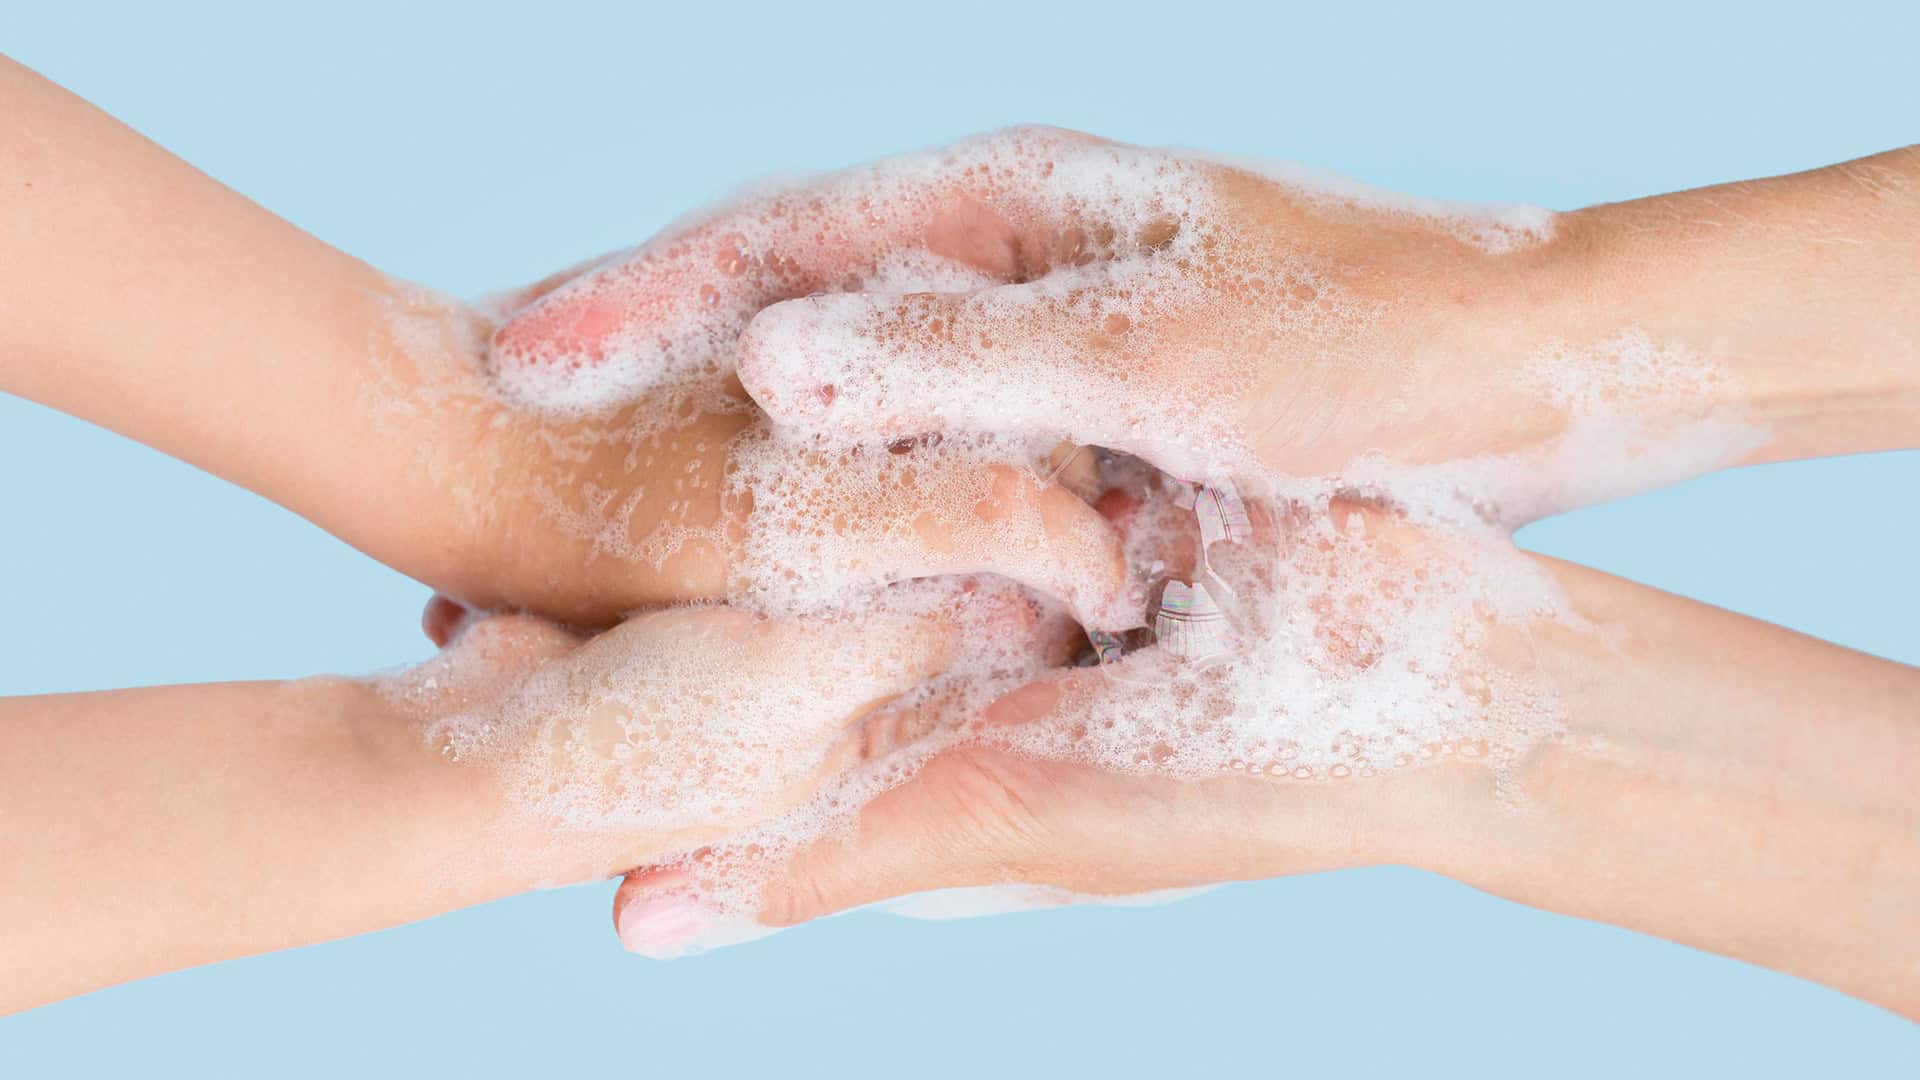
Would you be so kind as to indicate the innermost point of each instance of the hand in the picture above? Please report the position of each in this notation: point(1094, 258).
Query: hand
point(1686, 772)
point(1078, 286)
point(1057, 286)
point(682, 726)
point(983, 815)
point(368, 406)
point(205, 822)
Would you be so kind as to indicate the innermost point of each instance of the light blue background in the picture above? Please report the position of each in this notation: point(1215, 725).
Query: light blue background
point(472, 150)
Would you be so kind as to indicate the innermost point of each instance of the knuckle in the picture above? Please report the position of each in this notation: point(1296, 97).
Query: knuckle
point(794, 899)
point(992, 804)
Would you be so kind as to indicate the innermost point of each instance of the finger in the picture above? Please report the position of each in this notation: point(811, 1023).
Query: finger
point(444, 618)
point(669, 910)
point(921, 836)
point(998, 628)
point(1039, 534)
point(1076, 468)
point(656, 915)
point(1077, 357)
point(981, 816)
point(992, 209)
point(813, 520)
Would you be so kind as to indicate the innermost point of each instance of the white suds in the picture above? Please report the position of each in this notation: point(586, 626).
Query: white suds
point(1311, 628)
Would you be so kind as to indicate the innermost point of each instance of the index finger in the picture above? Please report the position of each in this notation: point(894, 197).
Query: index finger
point(1002, 208)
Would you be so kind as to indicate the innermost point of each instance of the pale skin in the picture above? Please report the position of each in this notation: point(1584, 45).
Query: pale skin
point(108, 318)
point(148, 298)
point(164, 306)
point(165, 827)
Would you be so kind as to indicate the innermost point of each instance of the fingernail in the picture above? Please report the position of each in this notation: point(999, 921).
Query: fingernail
point(662, 927)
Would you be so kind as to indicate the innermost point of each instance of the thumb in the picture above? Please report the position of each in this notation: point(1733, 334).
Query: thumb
point(957, 823)
point(973, 815)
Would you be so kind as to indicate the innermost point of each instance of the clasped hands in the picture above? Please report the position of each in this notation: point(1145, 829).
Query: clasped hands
point(625, 401)
point(808, 508)
point(1200, 317)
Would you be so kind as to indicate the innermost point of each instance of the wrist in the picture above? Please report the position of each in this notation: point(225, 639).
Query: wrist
point(444, 822)
point(492, 785)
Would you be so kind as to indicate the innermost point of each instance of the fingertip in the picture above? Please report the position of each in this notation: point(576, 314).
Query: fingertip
point(661, 914)
point(781, 363)
point(1116, 505)
point(1025, 705)
point(1120, 603)
point(1076, 468)
point(642, 883)
point(654, 919)
point(443, 619)
point(855, 363)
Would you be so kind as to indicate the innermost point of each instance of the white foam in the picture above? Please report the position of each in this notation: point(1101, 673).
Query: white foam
point(1353, 608)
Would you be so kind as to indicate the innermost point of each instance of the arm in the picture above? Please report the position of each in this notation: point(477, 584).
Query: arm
point(143, 831)
point(1722, 783)
point(142, 295)
point(147, 830)
point(1727, 784)
point(1805, 289)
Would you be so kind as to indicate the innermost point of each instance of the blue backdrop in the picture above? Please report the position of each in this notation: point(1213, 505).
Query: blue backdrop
point(471, 149)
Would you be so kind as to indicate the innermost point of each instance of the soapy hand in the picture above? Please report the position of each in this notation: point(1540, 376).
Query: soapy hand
point(1042, 282)
point(1208, 317)
point(682, 726)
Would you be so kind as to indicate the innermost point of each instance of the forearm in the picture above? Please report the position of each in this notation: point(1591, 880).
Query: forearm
point(147, 830)
point(1803, 290)
point(139, 294)
point(1724, 783)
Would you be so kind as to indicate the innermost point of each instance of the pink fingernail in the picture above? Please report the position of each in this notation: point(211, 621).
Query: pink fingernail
point(662, 927)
